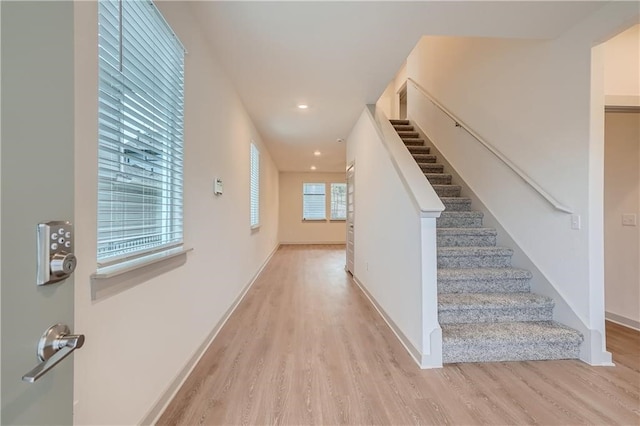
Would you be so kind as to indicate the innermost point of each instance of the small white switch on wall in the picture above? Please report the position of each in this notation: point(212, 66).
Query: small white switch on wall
point(629, 219)
point(575, 221)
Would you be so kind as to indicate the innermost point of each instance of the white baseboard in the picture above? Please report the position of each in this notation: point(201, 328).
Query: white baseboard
point(312, 243)
point(413, 351)
point(167, 396)
point(619, 319)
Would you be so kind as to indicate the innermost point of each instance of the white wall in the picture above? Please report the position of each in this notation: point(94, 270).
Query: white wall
point(388, 102)
point(138, 340)
point(532, 100)
point(622, 189)
point(292, 229)
point(622, 68)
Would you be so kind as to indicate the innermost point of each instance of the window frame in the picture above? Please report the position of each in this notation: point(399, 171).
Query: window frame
point(331, 201)
point(254, 186)
point(140, 136)
point(311, 209)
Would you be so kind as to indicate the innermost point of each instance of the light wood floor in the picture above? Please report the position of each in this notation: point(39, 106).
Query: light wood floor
point(305, 347)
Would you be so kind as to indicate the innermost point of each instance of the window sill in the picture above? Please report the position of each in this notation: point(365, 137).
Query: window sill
point(338, 220)
point(113, 279)
point(314, 220)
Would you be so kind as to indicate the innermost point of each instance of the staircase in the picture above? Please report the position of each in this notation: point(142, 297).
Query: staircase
point(485, 307)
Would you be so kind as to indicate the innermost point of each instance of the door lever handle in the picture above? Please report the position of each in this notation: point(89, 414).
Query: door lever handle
point(55, 345)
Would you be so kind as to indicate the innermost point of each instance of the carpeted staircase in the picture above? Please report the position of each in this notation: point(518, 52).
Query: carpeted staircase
point(485, 307)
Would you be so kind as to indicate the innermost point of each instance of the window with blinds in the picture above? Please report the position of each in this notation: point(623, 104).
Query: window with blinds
point(255, 186)
point(140, 132)
point(338, 201)
point(313, 201)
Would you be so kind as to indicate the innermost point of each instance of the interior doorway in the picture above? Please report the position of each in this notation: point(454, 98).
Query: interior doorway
point(402, 102)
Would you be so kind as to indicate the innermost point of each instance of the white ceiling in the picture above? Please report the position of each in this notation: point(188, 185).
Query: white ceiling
point(339, 56)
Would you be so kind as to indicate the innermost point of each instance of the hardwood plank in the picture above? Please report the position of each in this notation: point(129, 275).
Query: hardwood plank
point(305, 347)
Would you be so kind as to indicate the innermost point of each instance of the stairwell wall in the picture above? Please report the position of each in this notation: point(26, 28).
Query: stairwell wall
point(532, 99)
point(389, 250)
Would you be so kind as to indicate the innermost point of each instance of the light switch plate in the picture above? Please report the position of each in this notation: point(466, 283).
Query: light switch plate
point(575, 221)
point(629, 219)
point(217, 186)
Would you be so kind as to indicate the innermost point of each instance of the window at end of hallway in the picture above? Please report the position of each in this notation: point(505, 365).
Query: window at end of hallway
point(313, 201)
point(255, 186)
point(338, 201)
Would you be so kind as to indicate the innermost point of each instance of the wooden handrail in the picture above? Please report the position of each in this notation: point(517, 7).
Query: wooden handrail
point(459, 123)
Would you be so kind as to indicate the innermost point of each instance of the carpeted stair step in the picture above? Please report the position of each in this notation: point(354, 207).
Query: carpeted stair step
point(474, 257)
point(426, 158)
point(458, 308)
point(459, 219)
point(509, 341)
point(466, 237)
point(447, 190)
point(409, 135)
point(413, 141)
point(403, 127)
point(438, 178)
point(431, 167)
point(456, 204)
point(418, 150)
point(483, 280)
point(401, 122)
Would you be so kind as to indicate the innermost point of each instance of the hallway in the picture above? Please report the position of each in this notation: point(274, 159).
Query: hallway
point(306, 347)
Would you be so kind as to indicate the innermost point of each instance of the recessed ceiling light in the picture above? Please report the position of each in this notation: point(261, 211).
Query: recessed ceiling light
point(340, 140)
point(303, 106)
point(317, 153)
point(313, 167)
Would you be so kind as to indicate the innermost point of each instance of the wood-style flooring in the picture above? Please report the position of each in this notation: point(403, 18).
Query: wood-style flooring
point(305, 347)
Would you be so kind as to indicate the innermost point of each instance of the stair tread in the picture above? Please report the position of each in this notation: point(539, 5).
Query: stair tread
point(454, 199)
point(502, 333)
point(456, 274)
point(467, 213)
point(447, 186)
point(474, 251)
point(436, 174)
point(469, 301)
point(396, 121)
point(467, 231)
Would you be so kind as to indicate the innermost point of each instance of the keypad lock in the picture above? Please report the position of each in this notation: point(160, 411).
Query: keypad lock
point(56, 260)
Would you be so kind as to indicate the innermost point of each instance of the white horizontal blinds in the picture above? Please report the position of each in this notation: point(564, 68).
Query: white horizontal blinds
point(338, 201)
point(313, 201)
point(140, 150)
point(255, 186)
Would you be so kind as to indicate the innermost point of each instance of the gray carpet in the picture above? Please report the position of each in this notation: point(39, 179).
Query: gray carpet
point(485, 307)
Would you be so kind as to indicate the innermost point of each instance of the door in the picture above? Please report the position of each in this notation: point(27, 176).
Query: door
point(36, 178)
point(350, 217)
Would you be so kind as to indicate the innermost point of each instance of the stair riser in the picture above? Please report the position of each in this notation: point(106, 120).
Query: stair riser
point(474, 261)
point(458, 316)
point(432, 168)
point(448, 191)
point(427, 158)
point(465, 353)
point(418, 151)
point(408, 135)
point(484, 286)
point(458, 222)
point(396, 121)
point(466, 240)
point(413, 142)
point(454, 206)
point(439, 179)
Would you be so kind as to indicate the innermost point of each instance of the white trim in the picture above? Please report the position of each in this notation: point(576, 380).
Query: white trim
point(533, 184)
point(623, 321)
point(167, 396)
point(313, 243)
